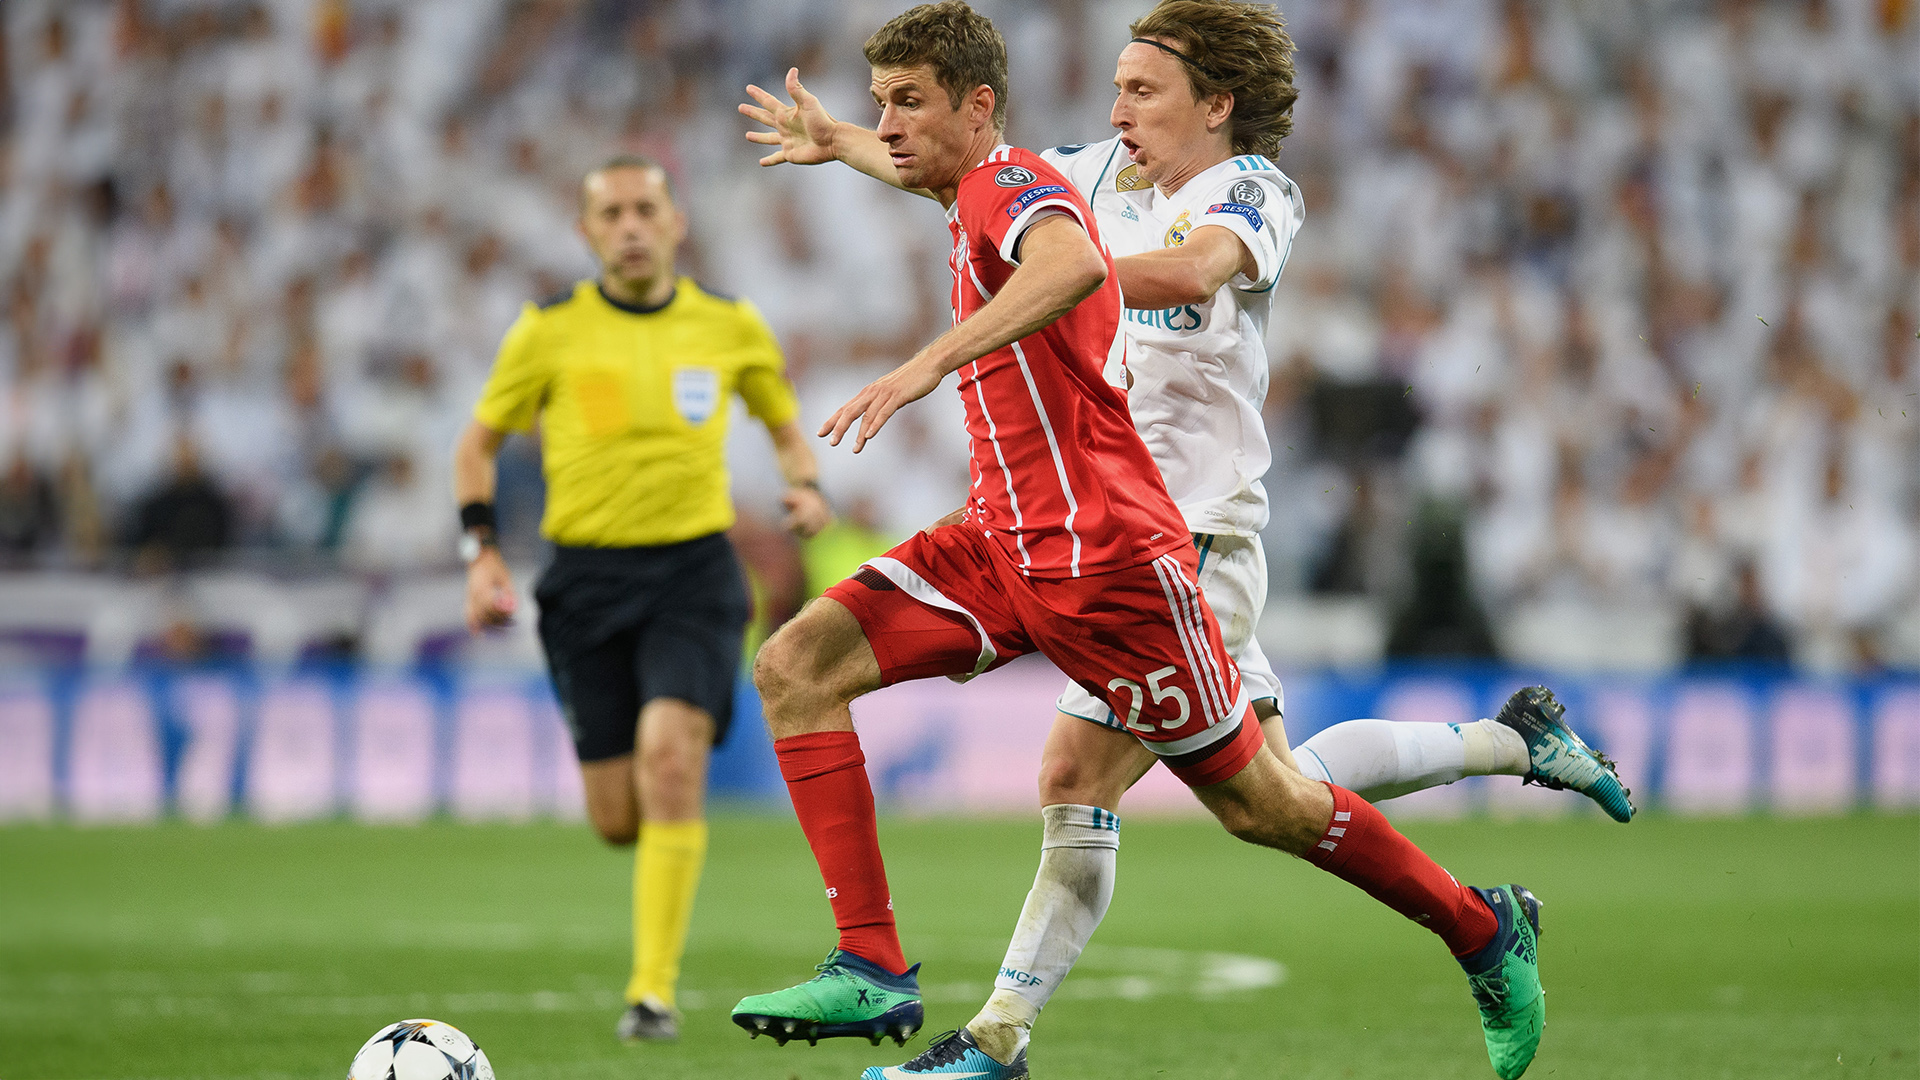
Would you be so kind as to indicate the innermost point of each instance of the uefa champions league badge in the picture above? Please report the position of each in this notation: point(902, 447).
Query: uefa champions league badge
point(1248, 193)
point(1014, 176)
point(1177, 232)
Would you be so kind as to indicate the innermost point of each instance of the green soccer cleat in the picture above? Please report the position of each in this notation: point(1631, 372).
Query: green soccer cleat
point(1560, 759)
point(850, 997)
point(1504, 975)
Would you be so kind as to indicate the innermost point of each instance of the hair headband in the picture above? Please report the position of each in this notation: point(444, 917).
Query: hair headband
point(1178, 55)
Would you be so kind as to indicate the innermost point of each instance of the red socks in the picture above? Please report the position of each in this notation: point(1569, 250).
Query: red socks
point(828, 782)
point(1361, 848)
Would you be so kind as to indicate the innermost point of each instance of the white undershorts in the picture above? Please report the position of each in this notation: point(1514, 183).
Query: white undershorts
point(1233, 575)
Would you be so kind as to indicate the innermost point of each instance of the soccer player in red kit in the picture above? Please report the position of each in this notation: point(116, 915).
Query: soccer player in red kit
point(1069, 545)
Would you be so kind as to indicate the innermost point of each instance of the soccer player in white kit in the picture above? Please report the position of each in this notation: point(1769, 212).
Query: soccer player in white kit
point(1201, 222)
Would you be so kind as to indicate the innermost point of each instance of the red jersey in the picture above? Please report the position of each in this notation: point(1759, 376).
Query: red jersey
point(1061, 481)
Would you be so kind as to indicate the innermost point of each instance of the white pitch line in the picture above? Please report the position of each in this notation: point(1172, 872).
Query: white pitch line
point(1108, 973)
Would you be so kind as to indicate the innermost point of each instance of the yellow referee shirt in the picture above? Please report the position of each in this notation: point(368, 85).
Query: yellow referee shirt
point(633, 406)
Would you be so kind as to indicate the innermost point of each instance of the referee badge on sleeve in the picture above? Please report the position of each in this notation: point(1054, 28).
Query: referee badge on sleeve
point(696, 393)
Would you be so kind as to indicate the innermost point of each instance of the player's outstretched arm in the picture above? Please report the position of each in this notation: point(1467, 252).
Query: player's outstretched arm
point(1188, 274)
point(807, 134)
point(1059, 267)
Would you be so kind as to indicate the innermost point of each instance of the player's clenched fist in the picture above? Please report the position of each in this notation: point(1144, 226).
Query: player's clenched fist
point(490, 596)
point(883, 397)
point(807, 512)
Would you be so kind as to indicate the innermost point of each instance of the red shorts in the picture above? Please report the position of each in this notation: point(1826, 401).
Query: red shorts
point(1141, 639)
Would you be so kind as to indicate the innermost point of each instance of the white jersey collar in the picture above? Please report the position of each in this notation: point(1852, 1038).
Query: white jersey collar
point(1205, 177)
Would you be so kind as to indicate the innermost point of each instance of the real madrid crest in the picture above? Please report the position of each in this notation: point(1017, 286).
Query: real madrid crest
point(1129, 179)
point(1177, 232)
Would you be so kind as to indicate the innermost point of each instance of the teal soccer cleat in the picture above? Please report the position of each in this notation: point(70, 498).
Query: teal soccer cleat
point(954, 1054)
point(1504, 975)
point(1559, 758)
point(851, 997)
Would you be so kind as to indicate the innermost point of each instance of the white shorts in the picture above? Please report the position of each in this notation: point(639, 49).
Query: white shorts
point(1233, 575)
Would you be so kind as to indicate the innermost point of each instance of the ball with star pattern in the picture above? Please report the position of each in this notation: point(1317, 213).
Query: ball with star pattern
point(420, 1050)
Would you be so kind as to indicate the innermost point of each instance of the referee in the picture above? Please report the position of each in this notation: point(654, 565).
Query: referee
point(643, 610)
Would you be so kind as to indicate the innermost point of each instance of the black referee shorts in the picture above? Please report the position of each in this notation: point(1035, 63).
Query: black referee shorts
point(622, 626)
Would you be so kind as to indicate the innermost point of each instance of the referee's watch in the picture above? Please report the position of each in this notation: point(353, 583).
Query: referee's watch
point(471, 545)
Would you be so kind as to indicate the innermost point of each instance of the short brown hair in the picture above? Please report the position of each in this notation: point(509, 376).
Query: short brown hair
point(960, 44)
point(1233, 48)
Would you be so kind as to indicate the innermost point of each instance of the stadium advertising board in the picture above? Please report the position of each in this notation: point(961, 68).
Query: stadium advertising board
point(143, 744)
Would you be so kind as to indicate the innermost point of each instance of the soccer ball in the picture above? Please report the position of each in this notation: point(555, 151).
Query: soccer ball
point(420, 1050)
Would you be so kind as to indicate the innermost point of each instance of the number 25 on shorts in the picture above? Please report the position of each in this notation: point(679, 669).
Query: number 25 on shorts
point(1160, 694)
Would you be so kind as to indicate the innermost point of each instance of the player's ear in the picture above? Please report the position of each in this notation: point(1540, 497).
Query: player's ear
point(980, 106)
point(1219, 110)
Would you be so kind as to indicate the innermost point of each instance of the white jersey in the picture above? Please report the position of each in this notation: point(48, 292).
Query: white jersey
point(1199, 370)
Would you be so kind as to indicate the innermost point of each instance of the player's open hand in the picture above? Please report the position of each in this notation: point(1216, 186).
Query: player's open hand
point(807, 512)
point(803, 130)
point(490, 597)
point(880, 399)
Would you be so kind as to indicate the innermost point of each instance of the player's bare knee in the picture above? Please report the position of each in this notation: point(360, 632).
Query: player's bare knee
point(618, 830)
point(1243, 822)
point(1254, 813)
point(1068, 780)
point(670, 781)
point(776, 670)
point(662, 772)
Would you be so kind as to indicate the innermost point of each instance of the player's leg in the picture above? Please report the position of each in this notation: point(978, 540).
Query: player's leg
point(1378, 759)
point(599, 694)
point(808, 673)
point(1259, 799)
point(1384, 759)
point(1374, 758)
point(613, 801)
point(688, 661)
point(1528, 738)
point(670, 765)
point(600, 701)
point(1084, 769)
point(1269, 804)
point(932, 606)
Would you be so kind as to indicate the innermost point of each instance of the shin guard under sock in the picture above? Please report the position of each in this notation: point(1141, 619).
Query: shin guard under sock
point(1360, 847)
point(827, 779)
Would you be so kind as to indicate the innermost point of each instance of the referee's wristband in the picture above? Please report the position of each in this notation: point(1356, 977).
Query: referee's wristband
point(477, 515)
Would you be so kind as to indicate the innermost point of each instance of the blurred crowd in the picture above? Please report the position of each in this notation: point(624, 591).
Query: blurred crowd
point(1607, 303)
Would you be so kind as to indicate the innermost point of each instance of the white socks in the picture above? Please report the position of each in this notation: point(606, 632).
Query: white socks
point(1381, 759)
point(1079, 853)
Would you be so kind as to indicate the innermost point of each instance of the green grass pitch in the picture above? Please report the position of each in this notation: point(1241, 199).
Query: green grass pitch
point(1737, 948)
